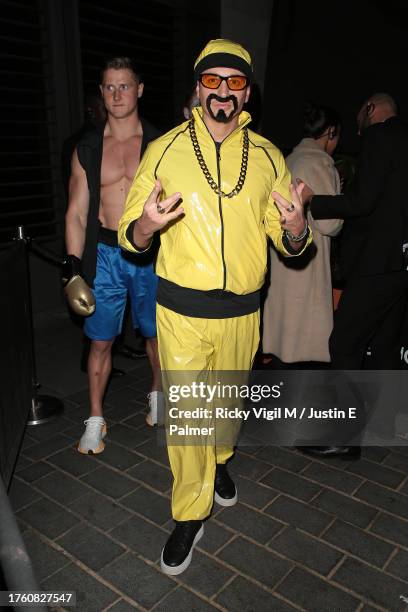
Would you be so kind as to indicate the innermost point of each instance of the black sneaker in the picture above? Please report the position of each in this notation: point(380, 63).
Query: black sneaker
point(176, 555)
point(225, 491)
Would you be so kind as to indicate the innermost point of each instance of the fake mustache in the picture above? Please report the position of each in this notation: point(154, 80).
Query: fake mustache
point(212, 97)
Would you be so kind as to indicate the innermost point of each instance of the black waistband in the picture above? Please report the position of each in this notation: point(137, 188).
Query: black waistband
point(215, 304)
point(108, 236)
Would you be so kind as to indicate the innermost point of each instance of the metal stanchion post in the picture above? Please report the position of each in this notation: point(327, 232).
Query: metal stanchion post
point(43, 407)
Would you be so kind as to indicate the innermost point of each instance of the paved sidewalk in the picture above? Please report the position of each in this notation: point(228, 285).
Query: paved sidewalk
point(305, 535)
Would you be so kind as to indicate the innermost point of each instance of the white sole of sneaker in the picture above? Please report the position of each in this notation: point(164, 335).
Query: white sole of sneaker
point(100, 449)
point(175, 571)
point(226, 503)
point(149, 420)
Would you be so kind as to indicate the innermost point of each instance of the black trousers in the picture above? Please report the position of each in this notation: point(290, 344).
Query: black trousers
point(371, 313)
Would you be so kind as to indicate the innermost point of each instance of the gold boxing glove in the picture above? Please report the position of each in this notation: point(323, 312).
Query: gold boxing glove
point(79, 296)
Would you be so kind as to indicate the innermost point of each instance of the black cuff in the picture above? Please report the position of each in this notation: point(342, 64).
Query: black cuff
point(289, 247)
point(71, 266)
point(129, 233)
point(129, 237)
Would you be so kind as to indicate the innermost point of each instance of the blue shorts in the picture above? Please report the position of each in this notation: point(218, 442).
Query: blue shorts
point(117, 274)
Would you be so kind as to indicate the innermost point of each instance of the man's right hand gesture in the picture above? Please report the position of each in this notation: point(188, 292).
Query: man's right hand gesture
point(157, 213)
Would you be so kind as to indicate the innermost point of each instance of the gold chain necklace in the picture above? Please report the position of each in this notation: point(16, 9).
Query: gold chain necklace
point(206, 172)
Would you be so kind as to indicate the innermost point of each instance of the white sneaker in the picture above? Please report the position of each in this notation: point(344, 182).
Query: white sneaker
point(92, 442)
point(156, 403)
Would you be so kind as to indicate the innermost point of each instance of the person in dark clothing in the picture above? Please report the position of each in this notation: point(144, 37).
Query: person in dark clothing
point(372, 307)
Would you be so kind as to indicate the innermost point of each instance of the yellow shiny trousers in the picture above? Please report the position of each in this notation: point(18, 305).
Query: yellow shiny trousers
point(203, 346)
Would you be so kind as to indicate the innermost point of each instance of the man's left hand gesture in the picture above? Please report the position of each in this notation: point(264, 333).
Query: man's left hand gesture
point(292, 214)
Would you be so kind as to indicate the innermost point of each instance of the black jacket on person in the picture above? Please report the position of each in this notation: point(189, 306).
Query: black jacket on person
point(375, 206)
point(89, 150)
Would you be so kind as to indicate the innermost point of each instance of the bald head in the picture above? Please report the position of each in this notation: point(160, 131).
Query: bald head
point(385, 100)
point(377, 108)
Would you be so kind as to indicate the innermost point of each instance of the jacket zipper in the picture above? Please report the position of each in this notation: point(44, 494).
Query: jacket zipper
point(218, 153)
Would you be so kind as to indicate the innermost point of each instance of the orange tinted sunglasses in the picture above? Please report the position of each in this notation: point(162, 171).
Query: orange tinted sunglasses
point(235, 82)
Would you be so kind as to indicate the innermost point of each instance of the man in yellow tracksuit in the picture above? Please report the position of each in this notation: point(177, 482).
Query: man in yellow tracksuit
point(208, 185)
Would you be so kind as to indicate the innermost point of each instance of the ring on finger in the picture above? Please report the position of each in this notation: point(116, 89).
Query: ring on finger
point(291, 208)
point(160, 209)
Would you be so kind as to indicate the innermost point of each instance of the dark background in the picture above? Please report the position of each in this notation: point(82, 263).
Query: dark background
point(52, 53)
point(338, 53)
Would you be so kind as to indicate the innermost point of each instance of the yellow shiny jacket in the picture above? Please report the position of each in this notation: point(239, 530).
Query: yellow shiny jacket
point(219, 243)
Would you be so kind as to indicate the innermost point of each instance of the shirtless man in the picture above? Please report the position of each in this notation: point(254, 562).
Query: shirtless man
point(103, 166)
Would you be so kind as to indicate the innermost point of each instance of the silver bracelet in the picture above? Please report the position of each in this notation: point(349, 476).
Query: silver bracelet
point(301, 236)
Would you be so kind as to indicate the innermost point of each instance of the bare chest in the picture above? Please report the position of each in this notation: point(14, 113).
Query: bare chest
point(120, 159)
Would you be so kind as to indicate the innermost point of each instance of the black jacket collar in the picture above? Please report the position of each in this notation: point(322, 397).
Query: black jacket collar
point(93, 138)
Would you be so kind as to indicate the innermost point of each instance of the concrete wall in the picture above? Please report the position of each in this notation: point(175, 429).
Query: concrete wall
point(249, 23)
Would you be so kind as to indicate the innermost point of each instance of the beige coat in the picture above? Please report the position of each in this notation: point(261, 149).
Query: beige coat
point(298, 311)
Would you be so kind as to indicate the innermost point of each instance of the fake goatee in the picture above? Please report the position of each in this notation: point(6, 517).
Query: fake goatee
point(221, 115)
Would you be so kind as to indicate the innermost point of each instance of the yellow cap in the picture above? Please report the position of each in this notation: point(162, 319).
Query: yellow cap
point(225, 53)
